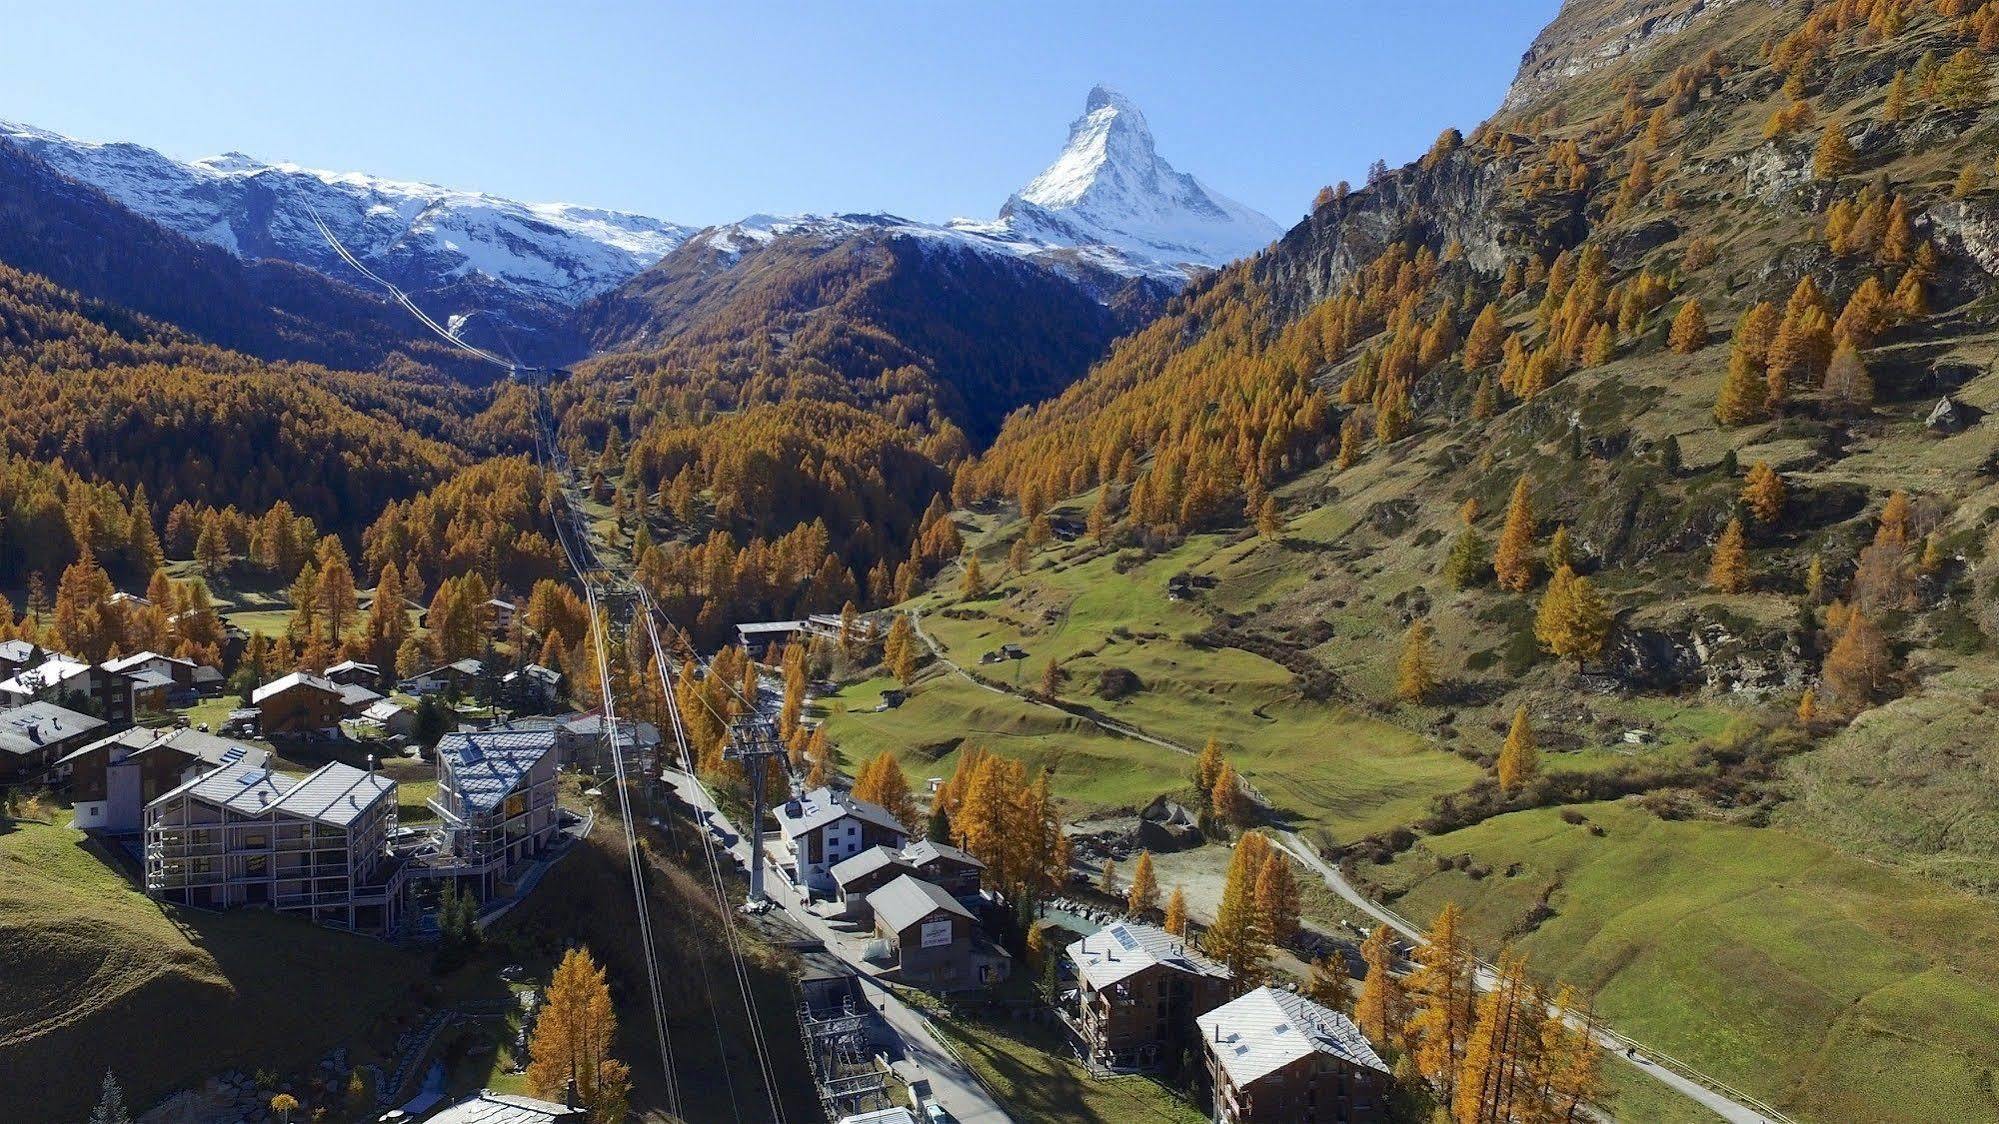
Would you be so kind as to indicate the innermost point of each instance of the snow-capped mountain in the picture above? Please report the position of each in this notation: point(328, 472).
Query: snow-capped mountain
point(1111, 188)
point(422, 236)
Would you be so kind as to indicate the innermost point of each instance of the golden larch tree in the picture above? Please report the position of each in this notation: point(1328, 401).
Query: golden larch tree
point(1234, 939)
point(1513, 560)
point(1571, 1075)
point(1415, 673)
point(1442, 989)
point(1330, 983)
point(1143, 899)
point(1277, 904)
point(1495, 1082)
point(1728, 572)
point(881, 781)
point(1763, 493)
point(574, 1029)
point(1176, 912)
point(1689, 332)
point(1573, 622)
point(1383, 1007)
point(1518, 759)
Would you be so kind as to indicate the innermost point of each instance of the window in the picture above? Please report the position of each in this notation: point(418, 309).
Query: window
point(255, 867)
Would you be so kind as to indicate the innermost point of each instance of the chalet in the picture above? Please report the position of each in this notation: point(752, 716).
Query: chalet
point(158, 682)
point(35, 737)
point(459, 677)
point(354, 672)
point(208, 681)
point(488, 1107)
point(578, 735)
point(71, 683)
point(113, 779)
point(496, 793)
point(298, 703)
point(394, 718)
point(1139, 990)
point(932, 940)
point(1277, 1056)
point(821, 827)
point(16, 655)
point(500, 614)
point(759, 637)
point(533, 687)
point(316, 845)
point(857, 876)
point(356, 698)
point(941, 864)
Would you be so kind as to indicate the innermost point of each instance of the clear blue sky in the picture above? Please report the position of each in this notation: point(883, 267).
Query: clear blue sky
point(705, 114)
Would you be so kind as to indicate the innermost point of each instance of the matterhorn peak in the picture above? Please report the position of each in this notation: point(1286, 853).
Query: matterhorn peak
point(1109, 186)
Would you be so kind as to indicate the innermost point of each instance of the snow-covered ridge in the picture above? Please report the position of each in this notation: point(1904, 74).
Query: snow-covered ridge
point(1110, 187)
point(417, 234)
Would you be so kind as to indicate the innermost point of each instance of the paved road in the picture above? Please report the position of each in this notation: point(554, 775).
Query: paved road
point(1722, 1105)
point(952, 1084)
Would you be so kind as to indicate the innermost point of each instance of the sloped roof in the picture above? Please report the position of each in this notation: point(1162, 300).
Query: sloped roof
point(354, 694)
point(127, 663)
point(35, 726)
point(1117, 952)
point(1260, 1033)
point(336, 794)
point(488, 1107)
point(927, 851)
point(136, 738)
point(53, 672)
point(865, 863)
point(484, 766)
point(242, 787)
point(207, 748)
point(296, 679)
point(381, 710)
point(910, 899)
point(823, 806)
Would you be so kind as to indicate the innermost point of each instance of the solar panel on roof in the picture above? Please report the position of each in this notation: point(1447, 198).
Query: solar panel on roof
point(471, 754)
point(1124, 938)
point(232, 756)
point(252, 777)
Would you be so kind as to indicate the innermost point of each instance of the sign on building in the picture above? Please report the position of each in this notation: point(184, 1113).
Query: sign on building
point(937, 934)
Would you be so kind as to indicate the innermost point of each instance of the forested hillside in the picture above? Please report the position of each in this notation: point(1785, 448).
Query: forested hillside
point(1629, 448)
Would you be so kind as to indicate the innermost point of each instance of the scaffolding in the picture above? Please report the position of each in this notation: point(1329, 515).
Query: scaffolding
point(837, 1043)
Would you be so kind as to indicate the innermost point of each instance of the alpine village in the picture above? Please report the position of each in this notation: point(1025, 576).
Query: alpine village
point(1511, 647)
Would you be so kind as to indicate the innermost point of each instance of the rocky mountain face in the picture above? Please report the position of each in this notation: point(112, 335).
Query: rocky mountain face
point(77, 237)
point(1587, 35)
point(457, 251)
point(1110, 187)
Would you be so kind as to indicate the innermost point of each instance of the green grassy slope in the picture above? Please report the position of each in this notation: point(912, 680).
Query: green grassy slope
point(95, 970)
point(1825, 984)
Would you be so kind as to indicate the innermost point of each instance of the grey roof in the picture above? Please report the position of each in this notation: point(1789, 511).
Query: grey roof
point(35, 726)
point(1260, 1033)
point(867, 862)
point(336, 794)
point(208, 748)
point(148, 680)
point(16, 651)
point(927, 851)
point(1116, 952)
point(242, 787)
point(896, 1115)
point(296, 679)
point(353, 665)
point(381, 710)
point(488, 1107)
point(354, 694)
point(823, 806)
point(910, 899)
point(206, 674)
point(136, 738)
point(486, 765)
point(533, 671)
